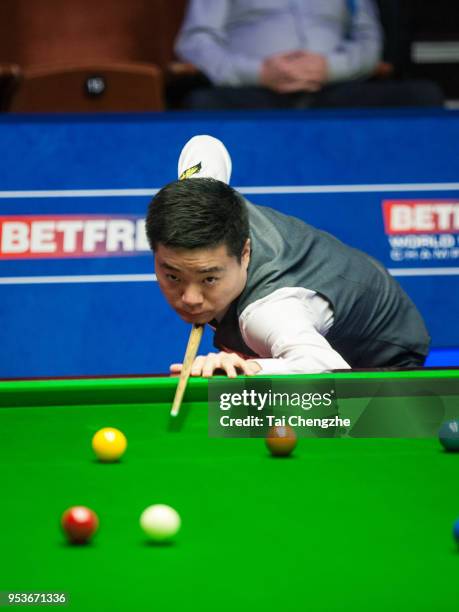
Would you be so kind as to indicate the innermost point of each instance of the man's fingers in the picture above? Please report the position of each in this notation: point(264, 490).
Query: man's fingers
point(210, 364)
point(197, 367)
point(247, 368)
point(307, 67)
point(235, 363)
point(205, 366)
point(229, 362)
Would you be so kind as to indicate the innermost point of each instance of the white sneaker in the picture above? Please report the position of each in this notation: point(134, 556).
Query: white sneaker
point(205, 157)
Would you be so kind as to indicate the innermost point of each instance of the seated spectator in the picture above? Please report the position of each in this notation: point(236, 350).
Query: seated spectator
point(280, 54)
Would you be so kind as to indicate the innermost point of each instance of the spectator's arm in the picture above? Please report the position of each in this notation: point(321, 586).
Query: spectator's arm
point(358, 55)
point(202, 41)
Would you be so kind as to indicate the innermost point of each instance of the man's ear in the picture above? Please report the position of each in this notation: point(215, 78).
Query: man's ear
point(245, 255)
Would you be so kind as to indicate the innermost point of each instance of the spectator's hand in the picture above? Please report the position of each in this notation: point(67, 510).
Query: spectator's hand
point(294, 71)
point(312, 67)
point(275, 73)
point(230, 363)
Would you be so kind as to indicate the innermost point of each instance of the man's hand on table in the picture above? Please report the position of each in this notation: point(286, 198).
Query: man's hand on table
point(231, 363)
point(293, 72)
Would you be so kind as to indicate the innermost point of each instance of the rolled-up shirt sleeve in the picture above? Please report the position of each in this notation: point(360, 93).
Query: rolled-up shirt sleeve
point(202, 41)
point(287, 331)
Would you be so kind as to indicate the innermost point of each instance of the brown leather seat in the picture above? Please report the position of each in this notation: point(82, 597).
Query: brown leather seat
point(104, 87)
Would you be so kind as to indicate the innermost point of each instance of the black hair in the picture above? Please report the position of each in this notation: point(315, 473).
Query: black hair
point(198, 213)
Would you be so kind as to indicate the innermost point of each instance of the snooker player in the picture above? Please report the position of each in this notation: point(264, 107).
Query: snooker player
point(282, 296)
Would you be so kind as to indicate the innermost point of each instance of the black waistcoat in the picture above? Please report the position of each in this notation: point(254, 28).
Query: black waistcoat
point(374, 320)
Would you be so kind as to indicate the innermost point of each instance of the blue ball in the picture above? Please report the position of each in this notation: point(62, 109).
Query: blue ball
point(456, 531)
point(449, 435)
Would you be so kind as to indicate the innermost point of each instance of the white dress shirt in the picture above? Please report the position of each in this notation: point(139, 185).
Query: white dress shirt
point(287, 330)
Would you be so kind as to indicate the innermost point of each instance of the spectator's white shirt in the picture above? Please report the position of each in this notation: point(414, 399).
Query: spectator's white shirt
point(228, 40)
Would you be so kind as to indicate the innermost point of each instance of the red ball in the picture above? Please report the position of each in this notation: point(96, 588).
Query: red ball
point(281, 441)
point(79, 524)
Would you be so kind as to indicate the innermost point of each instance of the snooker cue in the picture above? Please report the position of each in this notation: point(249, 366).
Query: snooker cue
point(191, 350)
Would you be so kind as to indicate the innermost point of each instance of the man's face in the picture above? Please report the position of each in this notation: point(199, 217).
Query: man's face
point(200, 284)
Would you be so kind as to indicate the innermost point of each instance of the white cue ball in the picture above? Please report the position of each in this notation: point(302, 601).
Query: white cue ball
point(160, 522)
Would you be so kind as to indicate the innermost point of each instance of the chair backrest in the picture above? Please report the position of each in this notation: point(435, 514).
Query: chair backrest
point(104, 87)
point(10, 75)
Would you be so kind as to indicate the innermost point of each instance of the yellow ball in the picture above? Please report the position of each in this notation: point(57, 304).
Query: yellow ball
point(109, 444)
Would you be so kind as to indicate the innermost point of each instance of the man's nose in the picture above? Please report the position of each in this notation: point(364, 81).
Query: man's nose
point(192, 296)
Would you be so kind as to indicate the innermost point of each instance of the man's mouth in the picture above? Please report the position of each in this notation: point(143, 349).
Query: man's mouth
point(195, 316)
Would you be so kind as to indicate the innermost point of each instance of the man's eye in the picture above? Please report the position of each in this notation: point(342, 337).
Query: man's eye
point(211, 280)
point(172, 278)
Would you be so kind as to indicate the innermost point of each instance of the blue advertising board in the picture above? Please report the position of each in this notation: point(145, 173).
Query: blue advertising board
point(77, 288)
